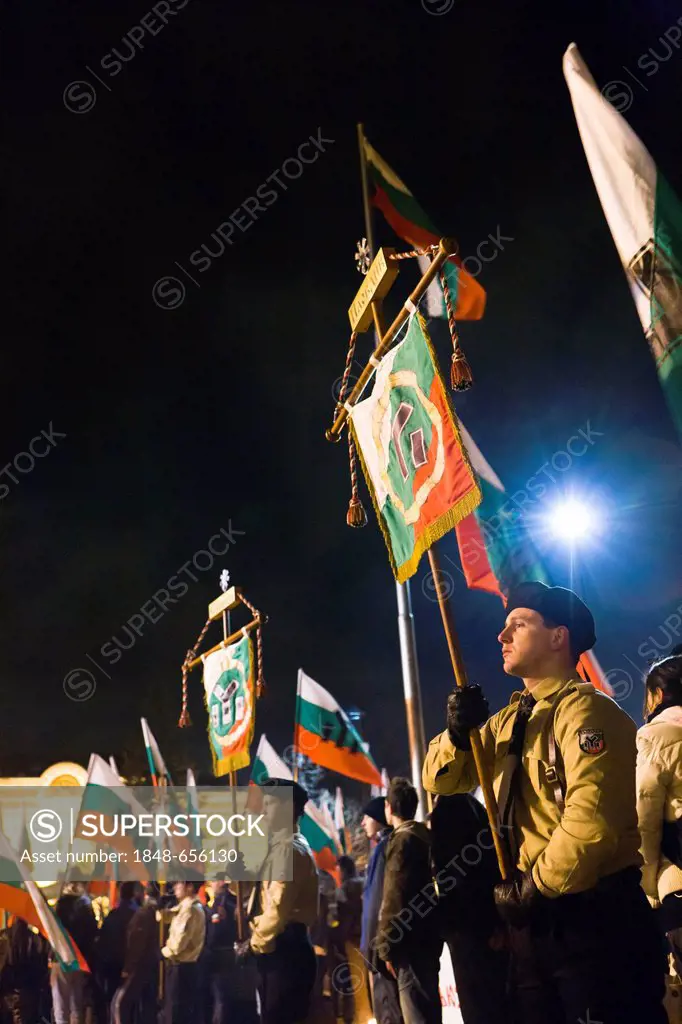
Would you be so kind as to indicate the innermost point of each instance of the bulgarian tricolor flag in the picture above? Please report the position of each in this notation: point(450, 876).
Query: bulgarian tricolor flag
point(496, 551)
point(325, 734)
point(20, 895)
point(104, 797)
point(645, 218)
point(162, 777)
point(157, 766)
point(406, 432)
point(408, 220)
point(268, 764)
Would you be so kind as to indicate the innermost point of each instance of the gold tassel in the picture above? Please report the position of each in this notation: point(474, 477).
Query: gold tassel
point(461, 377)
point(184, 722)
point(356, 515)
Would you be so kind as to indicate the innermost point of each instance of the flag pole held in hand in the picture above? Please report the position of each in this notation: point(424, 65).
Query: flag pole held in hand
point(474, 737)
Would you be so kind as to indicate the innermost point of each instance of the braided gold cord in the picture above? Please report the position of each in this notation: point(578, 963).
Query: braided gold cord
point(184, 721)
point(430, 250)
point(260, 681)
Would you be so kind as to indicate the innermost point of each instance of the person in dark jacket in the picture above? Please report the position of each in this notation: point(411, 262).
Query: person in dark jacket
point(406, 940)
point(321, 1010)
point(232, 988)
point(346, 933)
point(70, 989)
point(111, 946)
point(23, 975)
point(383, 986)
point(467, 917)
point(135, 998)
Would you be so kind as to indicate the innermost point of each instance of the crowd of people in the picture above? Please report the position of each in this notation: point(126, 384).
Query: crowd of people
point(582, 922)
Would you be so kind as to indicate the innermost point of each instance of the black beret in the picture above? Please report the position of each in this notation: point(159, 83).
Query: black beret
point(376, 809)
point(299, 794)
point(559, 606)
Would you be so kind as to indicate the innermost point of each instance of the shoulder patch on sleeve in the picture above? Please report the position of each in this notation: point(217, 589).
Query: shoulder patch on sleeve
point(591, 741)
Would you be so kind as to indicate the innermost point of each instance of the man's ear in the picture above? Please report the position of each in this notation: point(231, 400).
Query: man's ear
point(561, 638)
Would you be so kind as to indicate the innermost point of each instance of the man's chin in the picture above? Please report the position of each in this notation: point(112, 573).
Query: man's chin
point(510, 667)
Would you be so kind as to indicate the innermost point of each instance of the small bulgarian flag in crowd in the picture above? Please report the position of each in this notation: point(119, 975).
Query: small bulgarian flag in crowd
point(161, 777)
point(496, 551)
point(268, 764)
point(105, 796)
point(326, 735)
point(416, 470)
point(20, 895)
point(645, 218)
point(157, 766)
point(408, 220)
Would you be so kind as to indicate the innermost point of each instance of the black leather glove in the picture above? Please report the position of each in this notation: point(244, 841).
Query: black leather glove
point(236, 868)
point(242, 952)
point(467, 709)
point(518, 900)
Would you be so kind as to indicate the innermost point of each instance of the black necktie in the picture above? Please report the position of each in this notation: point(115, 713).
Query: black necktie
point(525, 709)
point(511, 771)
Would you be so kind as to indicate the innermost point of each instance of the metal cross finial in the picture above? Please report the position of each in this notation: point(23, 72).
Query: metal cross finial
point(362, 256)
point(225, 580)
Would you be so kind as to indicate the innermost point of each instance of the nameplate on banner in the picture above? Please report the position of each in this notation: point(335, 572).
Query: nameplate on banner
point(376, 286)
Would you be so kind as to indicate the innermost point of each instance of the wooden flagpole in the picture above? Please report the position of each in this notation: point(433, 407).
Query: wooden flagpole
point(474, 737)
point(446, 248)
point(295, 745)
point(239, 886)
point(406, 631)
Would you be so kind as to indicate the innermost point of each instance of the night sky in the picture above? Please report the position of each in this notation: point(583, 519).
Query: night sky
point(182, 421)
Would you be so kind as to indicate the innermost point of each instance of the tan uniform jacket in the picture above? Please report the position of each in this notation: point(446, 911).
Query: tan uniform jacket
point(275, 903)
point(187, 932)
point(597, 833)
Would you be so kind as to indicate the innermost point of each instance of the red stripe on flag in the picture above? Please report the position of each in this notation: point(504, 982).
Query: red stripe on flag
point(471, 296)
point(592, 672)
point(326, 861)
point(474, 557)
point(336, 759)
point(20, 903)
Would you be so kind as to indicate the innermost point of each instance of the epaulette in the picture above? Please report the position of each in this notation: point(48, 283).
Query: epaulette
point(581, 687)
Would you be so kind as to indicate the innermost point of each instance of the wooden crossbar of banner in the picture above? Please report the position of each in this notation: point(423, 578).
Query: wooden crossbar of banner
point(447, 247)
point(227, 641)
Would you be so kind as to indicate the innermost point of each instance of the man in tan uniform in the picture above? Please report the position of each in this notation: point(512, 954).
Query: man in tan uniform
point(562, 758)
point(281, 911)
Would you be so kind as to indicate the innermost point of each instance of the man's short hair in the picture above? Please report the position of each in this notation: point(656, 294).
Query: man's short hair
point(402, 798)
point(128, 890)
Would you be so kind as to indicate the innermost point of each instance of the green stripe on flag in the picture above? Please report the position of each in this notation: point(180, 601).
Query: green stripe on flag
point(666, 300)
point(512, 556)
point(336, 728)
point(315, 836)
point(258, 771)
point(406, 205)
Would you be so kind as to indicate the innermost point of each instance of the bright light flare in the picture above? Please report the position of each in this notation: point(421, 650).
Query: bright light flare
point(571, 520)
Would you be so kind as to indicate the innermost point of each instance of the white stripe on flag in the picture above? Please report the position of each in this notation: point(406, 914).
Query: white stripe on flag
point(312, 692)
point(480, 464)
point(435, 303)
point(151, 744)
point(272, 762)
point(623, 171)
